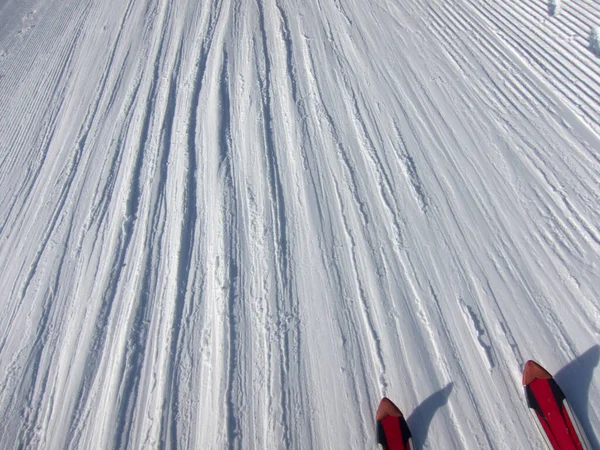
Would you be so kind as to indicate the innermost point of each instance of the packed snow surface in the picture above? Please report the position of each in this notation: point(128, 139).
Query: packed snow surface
point(239, 224)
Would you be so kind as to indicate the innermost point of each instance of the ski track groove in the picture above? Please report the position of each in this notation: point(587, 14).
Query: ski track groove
point(352, 186)
point(101, 200)
point(232, 253)
point(366, 146)
point(136, 345)
point(285, 307)
point(105, 311)
point(328, 254)
point(360, 297)
point(188, 228)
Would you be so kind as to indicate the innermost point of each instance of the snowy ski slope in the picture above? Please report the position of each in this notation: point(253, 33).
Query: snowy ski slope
point(238, 224)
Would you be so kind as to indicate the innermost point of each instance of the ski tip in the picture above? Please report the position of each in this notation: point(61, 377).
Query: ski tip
point(532, 371)
point(387, 408)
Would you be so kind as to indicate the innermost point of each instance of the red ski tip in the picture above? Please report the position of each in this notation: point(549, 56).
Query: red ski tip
point(387, 408)
point(532, 371)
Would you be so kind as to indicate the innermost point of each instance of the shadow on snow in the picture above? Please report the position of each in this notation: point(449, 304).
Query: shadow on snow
point(421, 417)
point(575, 380)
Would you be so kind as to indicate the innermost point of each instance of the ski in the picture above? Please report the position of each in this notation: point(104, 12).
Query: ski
point(553, 416)
point(392, 429)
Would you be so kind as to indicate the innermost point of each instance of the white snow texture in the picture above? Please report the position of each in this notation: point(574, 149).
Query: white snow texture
point(232, 224)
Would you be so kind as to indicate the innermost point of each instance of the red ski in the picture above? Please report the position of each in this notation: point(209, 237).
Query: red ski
point(554, 417)
point(392, 429)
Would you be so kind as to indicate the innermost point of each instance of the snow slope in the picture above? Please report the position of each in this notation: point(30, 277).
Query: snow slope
point(238, 224)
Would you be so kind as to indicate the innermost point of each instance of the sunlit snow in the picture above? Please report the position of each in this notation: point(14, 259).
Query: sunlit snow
point(239, 224)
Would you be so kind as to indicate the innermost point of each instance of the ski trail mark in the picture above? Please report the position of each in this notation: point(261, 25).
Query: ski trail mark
point(478, 331)
point(410, 171)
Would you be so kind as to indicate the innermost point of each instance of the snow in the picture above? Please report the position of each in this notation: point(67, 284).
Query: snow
point(595, 40)
point(230, 224)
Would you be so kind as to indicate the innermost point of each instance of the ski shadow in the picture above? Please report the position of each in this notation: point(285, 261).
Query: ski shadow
point(422, 415)
point(575, 379)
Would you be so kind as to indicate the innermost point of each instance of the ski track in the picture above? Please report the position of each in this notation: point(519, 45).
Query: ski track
point(230, 224)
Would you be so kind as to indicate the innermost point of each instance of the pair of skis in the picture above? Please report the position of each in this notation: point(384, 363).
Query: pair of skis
point(555, 419)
